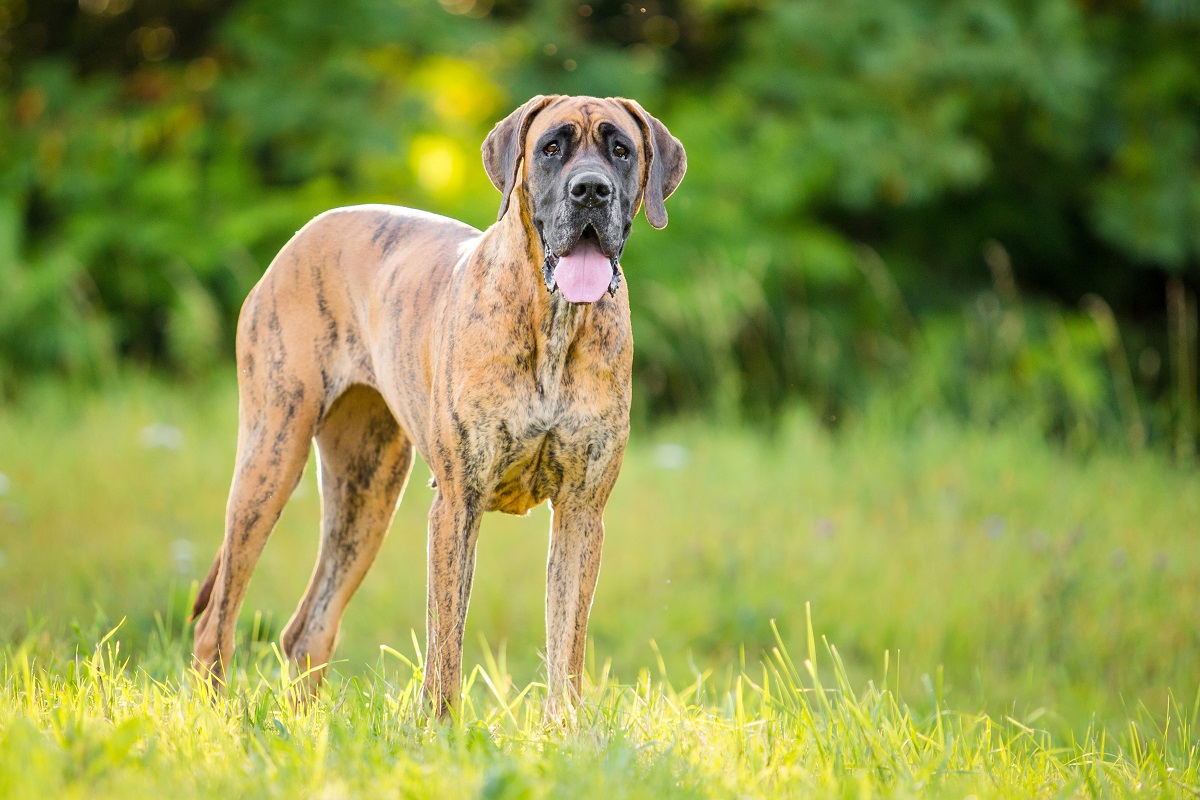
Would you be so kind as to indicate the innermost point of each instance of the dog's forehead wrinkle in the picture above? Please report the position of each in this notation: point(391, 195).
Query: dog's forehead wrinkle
point(605, 125)
point(563, 129)
point(594, 117)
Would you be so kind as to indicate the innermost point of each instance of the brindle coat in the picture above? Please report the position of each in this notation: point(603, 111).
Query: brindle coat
point(379, 329)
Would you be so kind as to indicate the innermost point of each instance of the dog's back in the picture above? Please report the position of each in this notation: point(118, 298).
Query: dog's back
point(322, 293)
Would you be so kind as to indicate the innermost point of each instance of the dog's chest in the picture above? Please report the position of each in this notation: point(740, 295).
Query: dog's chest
point(545, 438)
point(529, 469)
point(556, 406)
point(540, 446)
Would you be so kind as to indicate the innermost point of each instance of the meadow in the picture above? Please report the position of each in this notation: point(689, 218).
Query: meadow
point(940, 260)
point(895, 610)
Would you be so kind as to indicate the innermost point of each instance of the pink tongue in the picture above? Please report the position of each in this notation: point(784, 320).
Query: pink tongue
point(584, 275)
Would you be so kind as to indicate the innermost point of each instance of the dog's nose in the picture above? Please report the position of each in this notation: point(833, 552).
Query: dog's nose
point(590, 189)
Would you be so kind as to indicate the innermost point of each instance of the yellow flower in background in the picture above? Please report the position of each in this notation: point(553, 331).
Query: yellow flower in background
point(458, 91)
point(438, 163)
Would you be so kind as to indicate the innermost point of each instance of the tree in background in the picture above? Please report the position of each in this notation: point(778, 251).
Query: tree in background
point(870, 183)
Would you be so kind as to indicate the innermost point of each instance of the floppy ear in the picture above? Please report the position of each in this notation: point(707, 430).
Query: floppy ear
point(503, 147)
point(665, 162)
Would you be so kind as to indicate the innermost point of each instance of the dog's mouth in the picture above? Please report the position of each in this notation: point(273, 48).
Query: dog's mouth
point(584, 271)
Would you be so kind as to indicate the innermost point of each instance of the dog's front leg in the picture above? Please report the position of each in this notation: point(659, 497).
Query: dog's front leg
point(576, 538)
point(453, 531)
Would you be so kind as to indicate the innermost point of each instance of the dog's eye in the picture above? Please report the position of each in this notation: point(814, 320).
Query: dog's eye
point(551, 149)
point(620, 151)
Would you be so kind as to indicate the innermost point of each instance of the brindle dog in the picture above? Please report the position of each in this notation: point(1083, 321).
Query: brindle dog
point(503, 357)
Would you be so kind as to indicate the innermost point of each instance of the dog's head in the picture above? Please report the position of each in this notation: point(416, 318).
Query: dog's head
point(581, 167)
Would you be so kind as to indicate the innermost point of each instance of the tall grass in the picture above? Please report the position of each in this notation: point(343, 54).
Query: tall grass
point(1010, 619)
point(93, 727)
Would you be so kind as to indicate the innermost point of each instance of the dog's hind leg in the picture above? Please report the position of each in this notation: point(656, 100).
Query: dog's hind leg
point(278, 411)
point(365, 460)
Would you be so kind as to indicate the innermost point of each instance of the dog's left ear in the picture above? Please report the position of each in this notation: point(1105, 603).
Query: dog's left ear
point(504, 146)
point(666, 162)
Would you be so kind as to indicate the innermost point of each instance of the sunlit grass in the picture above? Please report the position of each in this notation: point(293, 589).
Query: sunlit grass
point(93, 727)
point(1011, 621)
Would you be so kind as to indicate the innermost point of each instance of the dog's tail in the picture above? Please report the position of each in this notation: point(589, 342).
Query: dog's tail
point(205, 593)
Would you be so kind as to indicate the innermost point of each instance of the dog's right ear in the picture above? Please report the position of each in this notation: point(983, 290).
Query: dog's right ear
point(504, 146)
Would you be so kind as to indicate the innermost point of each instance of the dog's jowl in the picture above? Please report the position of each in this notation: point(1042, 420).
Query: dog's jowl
point(503, 357)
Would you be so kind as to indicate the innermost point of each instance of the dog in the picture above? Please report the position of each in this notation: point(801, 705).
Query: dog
point(503, 357)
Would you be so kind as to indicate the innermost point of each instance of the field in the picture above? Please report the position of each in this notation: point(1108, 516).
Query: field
point(896, 611)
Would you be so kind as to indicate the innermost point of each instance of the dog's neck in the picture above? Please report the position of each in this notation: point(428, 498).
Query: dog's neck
point(514, 256)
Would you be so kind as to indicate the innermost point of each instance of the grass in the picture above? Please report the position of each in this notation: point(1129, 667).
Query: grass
point(1008, 622)
point(91, 727)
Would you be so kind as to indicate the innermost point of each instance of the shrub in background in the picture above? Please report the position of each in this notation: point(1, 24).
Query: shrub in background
point(870, 183)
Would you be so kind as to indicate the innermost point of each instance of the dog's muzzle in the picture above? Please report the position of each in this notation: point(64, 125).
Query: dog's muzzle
point(584, 273)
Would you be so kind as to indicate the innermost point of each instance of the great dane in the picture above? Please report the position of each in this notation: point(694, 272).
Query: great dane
point(503, 357)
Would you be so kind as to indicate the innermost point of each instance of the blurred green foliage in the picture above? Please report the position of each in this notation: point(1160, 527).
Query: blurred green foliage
point(870, 183)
